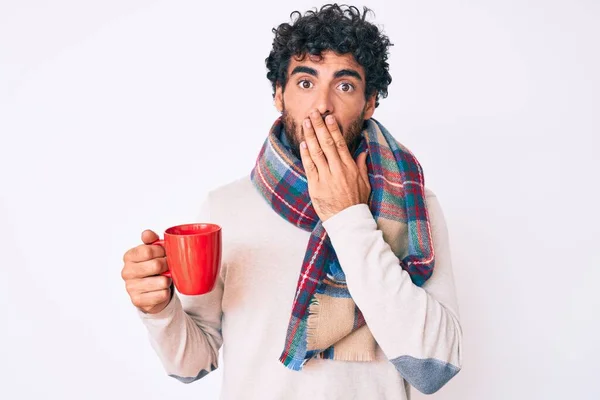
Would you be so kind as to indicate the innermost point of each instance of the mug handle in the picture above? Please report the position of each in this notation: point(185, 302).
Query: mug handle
point(161, 242)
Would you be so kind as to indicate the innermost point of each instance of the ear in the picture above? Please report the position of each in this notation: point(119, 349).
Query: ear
point(370, 106)
point(278, 98)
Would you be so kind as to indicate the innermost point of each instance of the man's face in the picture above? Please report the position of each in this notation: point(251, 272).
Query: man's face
point(334, 84)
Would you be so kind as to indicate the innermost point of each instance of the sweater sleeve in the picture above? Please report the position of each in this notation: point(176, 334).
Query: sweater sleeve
point(186, 335)
point(417, 328)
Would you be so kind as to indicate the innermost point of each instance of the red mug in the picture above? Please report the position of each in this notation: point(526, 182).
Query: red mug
point(193, 255)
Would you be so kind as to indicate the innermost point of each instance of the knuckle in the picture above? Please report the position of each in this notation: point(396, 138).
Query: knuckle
point(163, 295)
point(162, 264)
point(162, 282)
point(147, 284)
point(134, 254)
point(341, 144)
point(155, 266)
point(146, 252)
point(129, 271)
point(125, 272)
point(329, 142)
point(134, 270)
point(136, 299)
point(319, 153)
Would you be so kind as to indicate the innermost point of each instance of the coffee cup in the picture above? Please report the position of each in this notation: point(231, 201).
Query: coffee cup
point(193, 254)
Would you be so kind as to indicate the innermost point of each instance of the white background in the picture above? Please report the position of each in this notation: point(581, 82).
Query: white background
point(117, 116)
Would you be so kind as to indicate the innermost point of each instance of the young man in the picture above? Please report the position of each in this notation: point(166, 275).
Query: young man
point(336, 280)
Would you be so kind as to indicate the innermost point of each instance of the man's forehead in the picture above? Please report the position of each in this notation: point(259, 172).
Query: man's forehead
point(328, 60)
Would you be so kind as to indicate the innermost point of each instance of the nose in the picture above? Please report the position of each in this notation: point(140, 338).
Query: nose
point(323, 102)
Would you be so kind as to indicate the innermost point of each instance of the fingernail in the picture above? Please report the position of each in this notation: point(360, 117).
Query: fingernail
point(307, 123)
point(329, 119)
point(303, 145)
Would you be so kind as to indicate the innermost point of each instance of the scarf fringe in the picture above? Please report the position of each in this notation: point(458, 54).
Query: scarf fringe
point(312, 323)
point(354, 356)
point(296, 365)
point(292, 363)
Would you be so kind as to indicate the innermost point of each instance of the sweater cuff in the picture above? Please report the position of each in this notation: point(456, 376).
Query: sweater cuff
point(165, 313)
point(358, 216)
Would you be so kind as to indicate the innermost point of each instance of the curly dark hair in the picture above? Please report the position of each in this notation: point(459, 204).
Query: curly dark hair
point(332, 28)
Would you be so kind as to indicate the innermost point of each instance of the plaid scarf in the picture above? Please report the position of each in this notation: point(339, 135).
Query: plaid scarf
point(325, 322)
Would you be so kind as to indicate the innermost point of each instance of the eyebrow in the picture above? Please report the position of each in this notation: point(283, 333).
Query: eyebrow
point(338, 74)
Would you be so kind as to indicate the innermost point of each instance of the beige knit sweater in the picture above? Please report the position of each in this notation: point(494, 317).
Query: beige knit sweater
point(247, 314)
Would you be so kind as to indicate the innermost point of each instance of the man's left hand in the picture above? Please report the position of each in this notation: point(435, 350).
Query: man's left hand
point(335, 180)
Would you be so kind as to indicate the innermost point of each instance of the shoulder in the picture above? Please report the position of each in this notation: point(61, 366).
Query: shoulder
point(234, 199)
point(435, 211)
point(429, 194)
point(431, 200)
point(232, 189)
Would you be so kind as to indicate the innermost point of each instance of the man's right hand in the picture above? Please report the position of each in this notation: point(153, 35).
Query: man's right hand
point(149, 291)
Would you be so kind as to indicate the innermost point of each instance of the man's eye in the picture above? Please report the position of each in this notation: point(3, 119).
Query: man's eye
point(304, 84)
point(346, 87)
